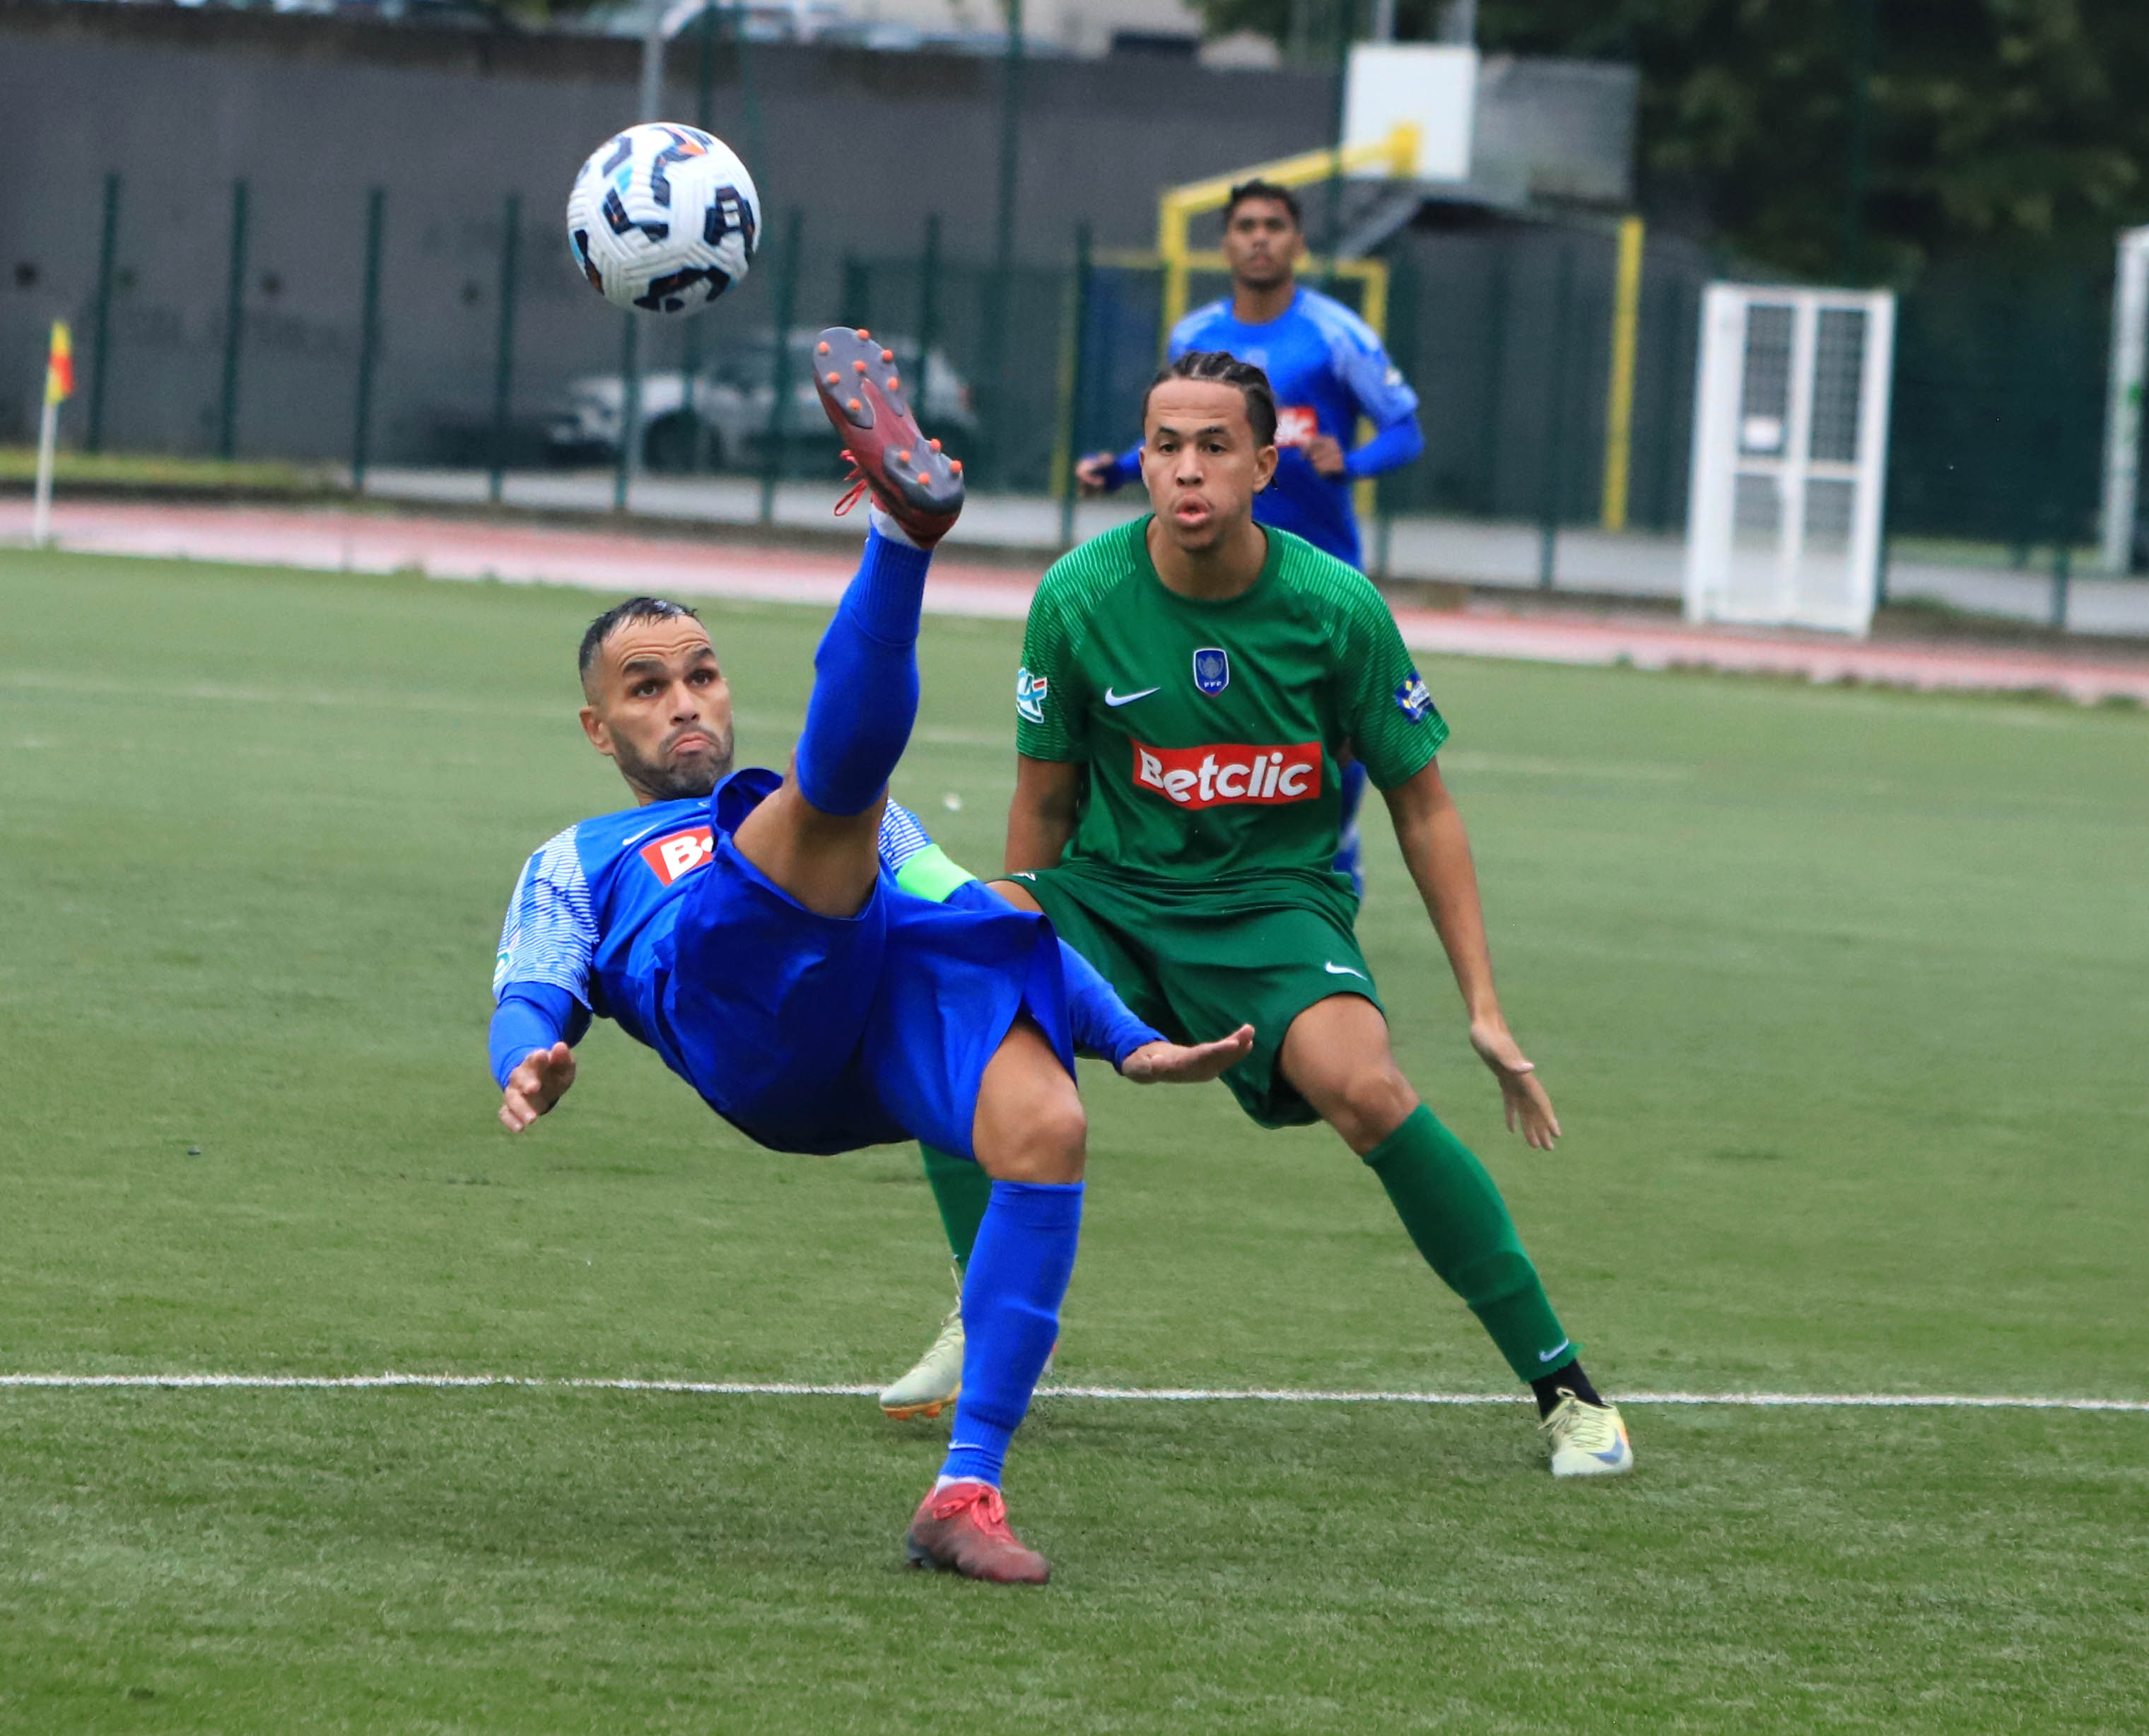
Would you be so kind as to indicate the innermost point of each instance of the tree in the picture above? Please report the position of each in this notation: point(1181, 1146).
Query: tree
point(1992, 124)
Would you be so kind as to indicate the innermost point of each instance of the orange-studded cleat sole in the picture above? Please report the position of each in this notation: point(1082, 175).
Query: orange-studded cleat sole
point(928, 1410)
point(917, 484)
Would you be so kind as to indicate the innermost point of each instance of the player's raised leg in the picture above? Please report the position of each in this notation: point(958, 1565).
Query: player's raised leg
point(1031, 1137)
point(1337, 1056)
point(816, 837)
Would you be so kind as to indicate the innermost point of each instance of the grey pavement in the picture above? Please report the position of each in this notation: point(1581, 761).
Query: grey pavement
point(1456, 550)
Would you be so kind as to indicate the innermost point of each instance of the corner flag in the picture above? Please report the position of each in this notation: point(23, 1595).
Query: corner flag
point(59, 385)
point(59, 365)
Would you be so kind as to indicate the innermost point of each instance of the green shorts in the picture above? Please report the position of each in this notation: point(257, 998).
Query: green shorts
point(1199, 963)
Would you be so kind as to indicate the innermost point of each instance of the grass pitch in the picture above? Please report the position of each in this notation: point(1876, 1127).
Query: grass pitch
point(1839, 993)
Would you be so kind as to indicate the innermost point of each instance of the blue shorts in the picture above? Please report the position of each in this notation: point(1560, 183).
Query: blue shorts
point(823, 1033)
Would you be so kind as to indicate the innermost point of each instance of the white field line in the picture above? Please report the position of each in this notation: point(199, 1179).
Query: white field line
point(1152, 1394)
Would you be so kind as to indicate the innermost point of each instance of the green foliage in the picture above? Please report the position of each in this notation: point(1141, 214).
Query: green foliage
point(1838, 991)
point(1994, 124)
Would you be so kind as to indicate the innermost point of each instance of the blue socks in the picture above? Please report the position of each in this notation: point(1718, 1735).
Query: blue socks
point(1011, 1292)
point(865, 686)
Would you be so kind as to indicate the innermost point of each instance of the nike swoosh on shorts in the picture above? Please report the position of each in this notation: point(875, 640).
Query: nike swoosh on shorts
point(1119, 699)
point(1342, 970)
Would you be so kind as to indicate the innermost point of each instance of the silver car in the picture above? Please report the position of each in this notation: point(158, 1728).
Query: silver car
point(727, 424)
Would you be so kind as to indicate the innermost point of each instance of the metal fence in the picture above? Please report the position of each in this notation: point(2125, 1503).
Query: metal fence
point(1999, 408)
point(247, 345)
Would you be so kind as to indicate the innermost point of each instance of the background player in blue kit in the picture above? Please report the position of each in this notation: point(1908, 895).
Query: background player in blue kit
point(751, 929)
point(1327, 369)
point(1324, 363)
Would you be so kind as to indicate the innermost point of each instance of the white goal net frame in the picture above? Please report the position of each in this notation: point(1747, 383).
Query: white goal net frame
point(1790, 456)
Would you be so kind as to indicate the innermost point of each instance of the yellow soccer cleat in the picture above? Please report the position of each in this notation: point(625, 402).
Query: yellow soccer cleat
point(1587, 1440)
point(933, 1381)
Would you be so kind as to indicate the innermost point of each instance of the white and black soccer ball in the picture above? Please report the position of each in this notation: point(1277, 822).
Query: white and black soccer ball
point(663, 217)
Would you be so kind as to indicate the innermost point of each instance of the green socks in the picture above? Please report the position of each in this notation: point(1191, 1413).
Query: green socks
point(962, 1190)
point(1455, 1215)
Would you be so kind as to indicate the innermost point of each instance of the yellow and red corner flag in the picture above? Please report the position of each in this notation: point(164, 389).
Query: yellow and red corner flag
point(59, 365)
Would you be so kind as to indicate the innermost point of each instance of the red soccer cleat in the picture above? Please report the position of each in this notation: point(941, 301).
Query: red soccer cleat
point(917, 484)
point(964, 1529)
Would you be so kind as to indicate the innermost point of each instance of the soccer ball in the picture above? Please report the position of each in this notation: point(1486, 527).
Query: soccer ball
point(663, 217)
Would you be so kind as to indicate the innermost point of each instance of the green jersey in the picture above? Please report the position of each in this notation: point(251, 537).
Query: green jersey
point(1209, 732)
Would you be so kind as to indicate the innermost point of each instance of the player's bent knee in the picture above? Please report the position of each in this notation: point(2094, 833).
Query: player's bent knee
point(1053, 1148)
point(1366, 1105)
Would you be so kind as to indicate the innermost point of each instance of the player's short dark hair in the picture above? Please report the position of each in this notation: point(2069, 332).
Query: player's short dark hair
point(635, 608)
point(1225, 369)
point(1258, 189)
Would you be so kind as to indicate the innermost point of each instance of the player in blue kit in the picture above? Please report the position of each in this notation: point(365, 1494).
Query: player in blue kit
point(1327, 369)
point(755, 931)
point(1324, 363)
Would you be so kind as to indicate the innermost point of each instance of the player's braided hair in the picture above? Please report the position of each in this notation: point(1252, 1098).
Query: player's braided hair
point(635, 608)
point(1225, 369)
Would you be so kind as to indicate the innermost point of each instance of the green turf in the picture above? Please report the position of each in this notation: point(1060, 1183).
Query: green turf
point(1838, 993)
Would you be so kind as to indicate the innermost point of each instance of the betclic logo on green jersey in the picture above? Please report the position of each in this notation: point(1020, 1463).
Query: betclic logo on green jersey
point(1233, 773)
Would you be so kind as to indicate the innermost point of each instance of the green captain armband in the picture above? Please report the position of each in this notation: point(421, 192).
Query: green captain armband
point(929, 874)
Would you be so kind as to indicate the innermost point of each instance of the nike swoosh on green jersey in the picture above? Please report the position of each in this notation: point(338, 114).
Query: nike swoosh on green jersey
point(1118, 699)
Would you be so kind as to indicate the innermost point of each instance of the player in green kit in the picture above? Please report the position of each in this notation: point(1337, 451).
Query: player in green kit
point(1189, 683)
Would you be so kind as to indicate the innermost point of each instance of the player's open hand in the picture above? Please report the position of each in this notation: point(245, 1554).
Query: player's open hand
point(540, 1081)
point(1180, 1064)
point(1528, 1106)
point(1092, 474)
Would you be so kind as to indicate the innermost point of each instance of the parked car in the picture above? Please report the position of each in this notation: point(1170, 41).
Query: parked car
point(727, 424)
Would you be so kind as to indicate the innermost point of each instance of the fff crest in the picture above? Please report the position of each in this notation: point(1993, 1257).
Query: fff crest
point(1212, 670)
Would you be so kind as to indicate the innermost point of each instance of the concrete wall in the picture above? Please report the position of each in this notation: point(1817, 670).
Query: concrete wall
point(313, 112)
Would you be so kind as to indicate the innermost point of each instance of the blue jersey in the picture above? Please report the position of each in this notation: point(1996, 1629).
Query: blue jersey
point(1327, 369)
point(811, 1033)
point(595, 904)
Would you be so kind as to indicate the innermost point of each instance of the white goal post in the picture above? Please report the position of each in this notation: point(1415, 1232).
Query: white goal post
point(1790, 456)
point(2122, 408)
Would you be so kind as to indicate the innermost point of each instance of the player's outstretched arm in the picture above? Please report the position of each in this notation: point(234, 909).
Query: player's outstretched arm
point(1437, 848)
point(540, 1080)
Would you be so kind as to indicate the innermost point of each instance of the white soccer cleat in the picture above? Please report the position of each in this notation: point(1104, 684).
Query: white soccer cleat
point(935, 1380)
point(1587, 1440)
